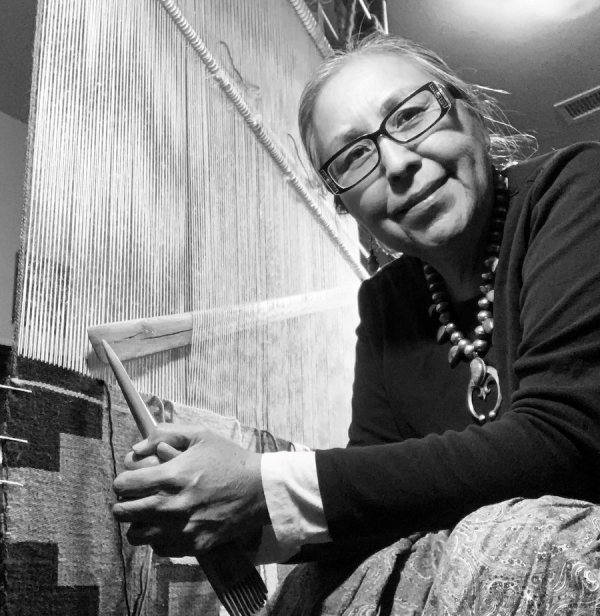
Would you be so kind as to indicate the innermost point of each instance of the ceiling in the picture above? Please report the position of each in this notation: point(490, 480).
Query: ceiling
point(539, 59)
point(539, 56)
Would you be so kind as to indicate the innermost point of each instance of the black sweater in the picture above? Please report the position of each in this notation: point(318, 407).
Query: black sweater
point(417, 460)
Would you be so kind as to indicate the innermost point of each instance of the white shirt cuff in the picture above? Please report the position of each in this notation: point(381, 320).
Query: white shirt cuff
point(293, 498)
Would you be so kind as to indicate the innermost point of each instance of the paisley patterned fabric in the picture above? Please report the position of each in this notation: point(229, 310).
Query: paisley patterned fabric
point(517, 558)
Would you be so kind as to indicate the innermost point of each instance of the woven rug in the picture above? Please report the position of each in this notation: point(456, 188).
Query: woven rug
point(62, 551)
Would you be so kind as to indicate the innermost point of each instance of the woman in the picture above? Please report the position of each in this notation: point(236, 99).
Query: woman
point(481, 415)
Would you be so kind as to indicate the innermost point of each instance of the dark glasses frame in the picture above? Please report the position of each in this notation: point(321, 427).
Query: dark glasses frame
point(445, 106)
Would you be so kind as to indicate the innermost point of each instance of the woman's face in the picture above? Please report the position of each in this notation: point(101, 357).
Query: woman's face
point(425, 194)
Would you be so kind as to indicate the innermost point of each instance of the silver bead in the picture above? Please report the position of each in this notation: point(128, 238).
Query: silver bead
point(456, 337)
point(491, 263)
point(481, 346)
point(454, 356)
point(442, 335)
point(482, 315)
point(451, 327)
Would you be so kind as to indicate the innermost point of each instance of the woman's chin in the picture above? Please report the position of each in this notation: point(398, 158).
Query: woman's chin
point(439, 232)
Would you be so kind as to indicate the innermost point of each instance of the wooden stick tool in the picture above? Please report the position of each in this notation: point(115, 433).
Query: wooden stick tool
point(234, 578)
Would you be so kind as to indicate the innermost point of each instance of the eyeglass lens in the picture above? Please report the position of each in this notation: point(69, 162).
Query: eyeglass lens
point(406, 122)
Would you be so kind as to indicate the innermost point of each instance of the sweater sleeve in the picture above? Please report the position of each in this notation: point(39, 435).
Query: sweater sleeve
point(548, 440)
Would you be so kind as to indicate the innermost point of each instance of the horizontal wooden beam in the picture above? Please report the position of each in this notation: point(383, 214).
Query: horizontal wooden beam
point(140, 337)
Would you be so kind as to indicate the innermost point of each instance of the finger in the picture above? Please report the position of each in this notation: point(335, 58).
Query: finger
point(121, 498)
point(165, 452)
point(134, 462)
point(146, 510)
point(144, 448)
point(178, 436)
point(141, 481)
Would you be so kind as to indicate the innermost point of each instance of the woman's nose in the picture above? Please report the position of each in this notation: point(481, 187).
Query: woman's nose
point(398, 161)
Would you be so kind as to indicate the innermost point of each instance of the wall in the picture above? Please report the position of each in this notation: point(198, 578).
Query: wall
point(13, 141)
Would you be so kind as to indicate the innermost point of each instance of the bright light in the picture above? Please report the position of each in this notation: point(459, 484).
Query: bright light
point(523, 15)
point(559, 9)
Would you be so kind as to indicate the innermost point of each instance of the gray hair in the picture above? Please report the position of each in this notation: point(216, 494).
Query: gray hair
point(507, 144)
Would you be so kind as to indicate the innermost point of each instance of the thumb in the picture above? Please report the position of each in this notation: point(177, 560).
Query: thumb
point(165, 452)
point(177, 436)
point(144, 448)
point(149, 447)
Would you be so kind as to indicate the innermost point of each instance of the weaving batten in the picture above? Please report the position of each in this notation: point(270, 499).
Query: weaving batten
point(250, 118)
point(140, 337)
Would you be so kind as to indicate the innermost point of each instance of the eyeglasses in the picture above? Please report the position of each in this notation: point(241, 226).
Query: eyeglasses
point(407, 121)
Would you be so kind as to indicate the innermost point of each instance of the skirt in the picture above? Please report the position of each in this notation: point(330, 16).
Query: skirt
point(517, 558)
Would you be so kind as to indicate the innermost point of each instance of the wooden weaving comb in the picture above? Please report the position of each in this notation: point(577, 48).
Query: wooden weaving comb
point(234, 578)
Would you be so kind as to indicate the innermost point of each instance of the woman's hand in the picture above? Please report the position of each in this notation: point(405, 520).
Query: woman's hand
point(209, 491)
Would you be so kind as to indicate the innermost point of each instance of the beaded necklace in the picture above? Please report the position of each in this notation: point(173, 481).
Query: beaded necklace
point(483, 377)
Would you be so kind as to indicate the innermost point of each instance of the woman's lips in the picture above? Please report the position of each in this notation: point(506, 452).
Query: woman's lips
point(419, 197)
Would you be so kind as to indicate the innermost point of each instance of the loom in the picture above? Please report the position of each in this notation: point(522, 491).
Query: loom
point(169, 211)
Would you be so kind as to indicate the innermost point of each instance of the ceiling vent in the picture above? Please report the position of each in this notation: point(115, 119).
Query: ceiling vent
point(581, 106)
